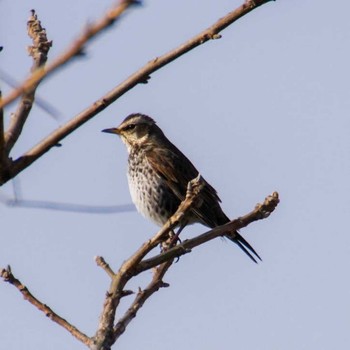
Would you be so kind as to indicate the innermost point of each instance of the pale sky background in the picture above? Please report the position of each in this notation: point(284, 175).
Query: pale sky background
point(265, 108)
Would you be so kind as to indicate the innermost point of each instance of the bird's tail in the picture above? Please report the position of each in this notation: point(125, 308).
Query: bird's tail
point(244, 245)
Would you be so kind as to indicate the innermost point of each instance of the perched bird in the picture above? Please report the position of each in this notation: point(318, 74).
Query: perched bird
point(158, 174)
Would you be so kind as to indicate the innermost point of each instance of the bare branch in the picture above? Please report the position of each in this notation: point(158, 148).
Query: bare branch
point(38, 51)
point(139, 76)
point(7, 276)
point(108, 333)
point(74, 50)
point(105, 335)
point(164, 260)
point(100, 261)
point(108, 329)
point(142, 296)
point(260, 212)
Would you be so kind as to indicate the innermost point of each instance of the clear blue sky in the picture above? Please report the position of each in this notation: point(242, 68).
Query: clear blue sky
point(265, 108)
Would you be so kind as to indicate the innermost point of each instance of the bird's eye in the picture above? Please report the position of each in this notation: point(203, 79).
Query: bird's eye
point(130, 127)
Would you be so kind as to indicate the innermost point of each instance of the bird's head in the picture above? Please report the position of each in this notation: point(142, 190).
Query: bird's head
point(135, 129)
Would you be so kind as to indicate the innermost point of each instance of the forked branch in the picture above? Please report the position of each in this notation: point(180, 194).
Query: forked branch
point(110, 329)
point(8, 276)
point(140, 76)
point(261, 211)
point(76, 49)
point(106, 334)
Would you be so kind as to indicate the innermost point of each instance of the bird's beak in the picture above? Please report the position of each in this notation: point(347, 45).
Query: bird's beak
point(112, 131)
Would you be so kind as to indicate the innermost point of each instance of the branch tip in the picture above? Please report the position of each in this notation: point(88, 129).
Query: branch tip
point(101, 262)
point(6, 274)
point(164, 284)
point(144, 80)
point(269, 205)
point(126, 293)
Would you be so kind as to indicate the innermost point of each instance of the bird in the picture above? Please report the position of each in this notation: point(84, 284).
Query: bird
point(158, 174)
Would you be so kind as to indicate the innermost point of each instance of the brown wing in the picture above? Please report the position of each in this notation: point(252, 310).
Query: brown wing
point(177, 170)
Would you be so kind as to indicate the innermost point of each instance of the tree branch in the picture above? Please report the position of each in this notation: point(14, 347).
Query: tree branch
point(141, 297)
point(108, 329)
point(38, 51)
point(106, 335)
point(76, 49)
point(261, 211)
point(139, 76)
point(100, 261)
point(164, 260)
point(108, 332)
point(7, 276)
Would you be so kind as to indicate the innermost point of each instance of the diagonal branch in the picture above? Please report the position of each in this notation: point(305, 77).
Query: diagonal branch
point(106, 335)
point(164, 260)
point(38, 51)
point(141, 298)
point(139, 76)
point(119, 280)
point(261, 211)
point(74, 50)
point(100, 261)
point(108, 332)
point(7, 276)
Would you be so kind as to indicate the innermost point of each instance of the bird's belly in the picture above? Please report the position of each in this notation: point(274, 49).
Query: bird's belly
point(152, 198)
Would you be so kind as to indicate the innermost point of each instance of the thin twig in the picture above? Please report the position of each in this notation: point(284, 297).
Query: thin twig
point(100, 261)
point(141, 297)
point(38, 51)
point(139, 76)
point(8, 276)
point(76, 49)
